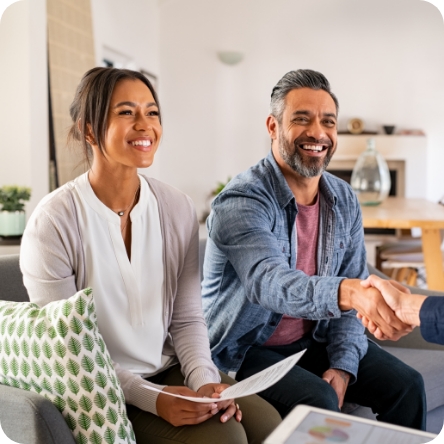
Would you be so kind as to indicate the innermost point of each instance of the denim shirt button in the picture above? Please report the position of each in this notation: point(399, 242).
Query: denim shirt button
point(330, 314)
point(273, 323)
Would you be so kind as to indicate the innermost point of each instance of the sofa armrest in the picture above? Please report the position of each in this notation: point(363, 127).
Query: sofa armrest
point(29, 418)
point(414, 339)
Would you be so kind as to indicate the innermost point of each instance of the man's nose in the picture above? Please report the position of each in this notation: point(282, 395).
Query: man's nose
point(316, 130)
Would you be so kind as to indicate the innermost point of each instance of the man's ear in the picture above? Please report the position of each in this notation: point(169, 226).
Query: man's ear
point(272, 127)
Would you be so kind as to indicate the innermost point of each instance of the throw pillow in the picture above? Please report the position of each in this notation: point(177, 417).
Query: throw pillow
point(57, 351)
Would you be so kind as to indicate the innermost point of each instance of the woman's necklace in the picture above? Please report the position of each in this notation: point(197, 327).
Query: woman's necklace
point(124, 226)
point(128, 217)
point(122, 212)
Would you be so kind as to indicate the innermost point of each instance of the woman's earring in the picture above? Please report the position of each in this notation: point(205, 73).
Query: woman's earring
point(90, 139)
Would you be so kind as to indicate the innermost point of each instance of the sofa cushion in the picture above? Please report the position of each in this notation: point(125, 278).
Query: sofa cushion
point(11, 279)
point(58, 352)
point(435, 420)
point(430, 363)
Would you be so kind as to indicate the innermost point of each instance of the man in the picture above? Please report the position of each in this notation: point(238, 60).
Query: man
point(426, 312)
point(283, 236)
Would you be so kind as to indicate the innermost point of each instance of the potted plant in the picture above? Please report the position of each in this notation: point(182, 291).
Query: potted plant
point(213, 193)
point(12, 215)
point(219, 187)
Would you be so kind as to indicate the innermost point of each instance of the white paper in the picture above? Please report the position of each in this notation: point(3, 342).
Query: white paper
point(254, 384)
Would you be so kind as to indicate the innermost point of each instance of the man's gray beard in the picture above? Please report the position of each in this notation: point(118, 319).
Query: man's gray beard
point(296, 162)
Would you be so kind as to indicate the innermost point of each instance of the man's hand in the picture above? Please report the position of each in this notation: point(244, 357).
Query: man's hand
point(339, 380)
point(371, 305)
point(181, 412)
point(230, 407)
point(405, 305)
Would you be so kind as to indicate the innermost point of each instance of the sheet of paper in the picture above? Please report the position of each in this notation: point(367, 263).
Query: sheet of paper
point(254, 384)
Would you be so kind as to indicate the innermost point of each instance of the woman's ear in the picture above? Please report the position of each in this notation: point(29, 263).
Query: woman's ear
point(89, 137)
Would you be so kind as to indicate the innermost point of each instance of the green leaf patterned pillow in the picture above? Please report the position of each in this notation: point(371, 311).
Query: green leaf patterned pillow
point(57, 351)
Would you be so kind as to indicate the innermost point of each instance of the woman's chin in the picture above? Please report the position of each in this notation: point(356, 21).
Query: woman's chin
point(143, 161)
point(145, 164)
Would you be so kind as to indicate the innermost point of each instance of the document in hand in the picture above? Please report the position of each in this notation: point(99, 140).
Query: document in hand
point(254, 384)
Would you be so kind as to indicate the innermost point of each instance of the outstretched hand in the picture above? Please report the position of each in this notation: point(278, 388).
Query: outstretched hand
point(370, 304)
point(405, 305)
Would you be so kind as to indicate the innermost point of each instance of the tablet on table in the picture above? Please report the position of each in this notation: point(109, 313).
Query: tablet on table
point(310, 425)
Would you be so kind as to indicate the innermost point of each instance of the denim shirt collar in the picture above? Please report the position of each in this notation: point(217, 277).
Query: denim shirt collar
point(283, 193)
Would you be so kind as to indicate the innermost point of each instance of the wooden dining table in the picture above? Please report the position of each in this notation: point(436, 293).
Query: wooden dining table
point(405, 213)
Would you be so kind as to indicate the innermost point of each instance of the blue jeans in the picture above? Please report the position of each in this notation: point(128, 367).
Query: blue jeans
point(393, 390)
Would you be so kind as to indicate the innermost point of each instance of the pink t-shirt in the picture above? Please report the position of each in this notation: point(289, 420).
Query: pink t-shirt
point(307, 222)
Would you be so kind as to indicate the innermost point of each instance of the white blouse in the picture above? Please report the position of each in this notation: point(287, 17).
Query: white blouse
point(128, 294)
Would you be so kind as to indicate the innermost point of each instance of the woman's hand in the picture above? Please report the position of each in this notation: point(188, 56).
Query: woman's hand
point(180, 412)
point(230, 407)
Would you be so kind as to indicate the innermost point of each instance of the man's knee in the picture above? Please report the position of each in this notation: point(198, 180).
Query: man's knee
point(414, 383)
point(323, 396)
point(406, 380)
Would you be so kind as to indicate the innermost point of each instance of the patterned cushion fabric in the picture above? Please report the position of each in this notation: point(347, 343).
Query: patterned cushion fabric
point(57, 351)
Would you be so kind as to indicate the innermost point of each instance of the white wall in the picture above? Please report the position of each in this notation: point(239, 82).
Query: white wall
point(384, 59)
point(130, 29)
point(24, 98)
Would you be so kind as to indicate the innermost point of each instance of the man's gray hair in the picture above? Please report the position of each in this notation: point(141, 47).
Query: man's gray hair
point(302, 78)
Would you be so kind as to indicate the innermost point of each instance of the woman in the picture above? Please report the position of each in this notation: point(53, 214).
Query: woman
point(134, 240)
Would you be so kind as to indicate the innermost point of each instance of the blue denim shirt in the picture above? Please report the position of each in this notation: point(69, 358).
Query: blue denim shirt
point(250, 276)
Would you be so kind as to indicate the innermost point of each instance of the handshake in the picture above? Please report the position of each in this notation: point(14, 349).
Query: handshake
point(386, 308)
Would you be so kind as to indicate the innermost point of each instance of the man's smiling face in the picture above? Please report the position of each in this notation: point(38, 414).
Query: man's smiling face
point(307, 135)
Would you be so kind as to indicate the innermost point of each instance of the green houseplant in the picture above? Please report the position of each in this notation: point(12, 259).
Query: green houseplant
point(213, 193)
point(219, 187)
point(12, 214)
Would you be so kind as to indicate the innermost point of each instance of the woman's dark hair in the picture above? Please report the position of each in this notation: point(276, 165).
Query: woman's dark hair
point(91, 104)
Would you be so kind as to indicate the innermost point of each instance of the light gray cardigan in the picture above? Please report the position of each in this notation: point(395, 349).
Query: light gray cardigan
point(53, 267)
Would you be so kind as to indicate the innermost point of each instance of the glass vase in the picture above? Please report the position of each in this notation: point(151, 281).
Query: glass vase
point(371, 177)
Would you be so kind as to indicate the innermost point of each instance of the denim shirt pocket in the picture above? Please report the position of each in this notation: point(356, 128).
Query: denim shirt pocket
point(341, 245)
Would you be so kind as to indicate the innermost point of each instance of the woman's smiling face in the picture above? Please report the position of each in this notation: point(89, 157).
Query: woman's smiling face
point(134, 130)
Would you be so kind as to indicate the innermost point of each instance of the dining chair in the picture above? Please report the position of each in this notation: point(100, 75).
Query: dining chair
point(403, 260)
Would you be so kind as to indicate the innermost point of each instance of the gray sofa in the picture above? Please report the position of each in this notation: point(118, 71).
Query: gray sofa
point(426, 358)
point(28, 418)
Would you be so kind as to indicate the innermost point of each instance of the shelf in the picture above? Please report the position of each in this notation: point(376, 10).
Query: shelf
point(10, 240)
point(365, 135)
